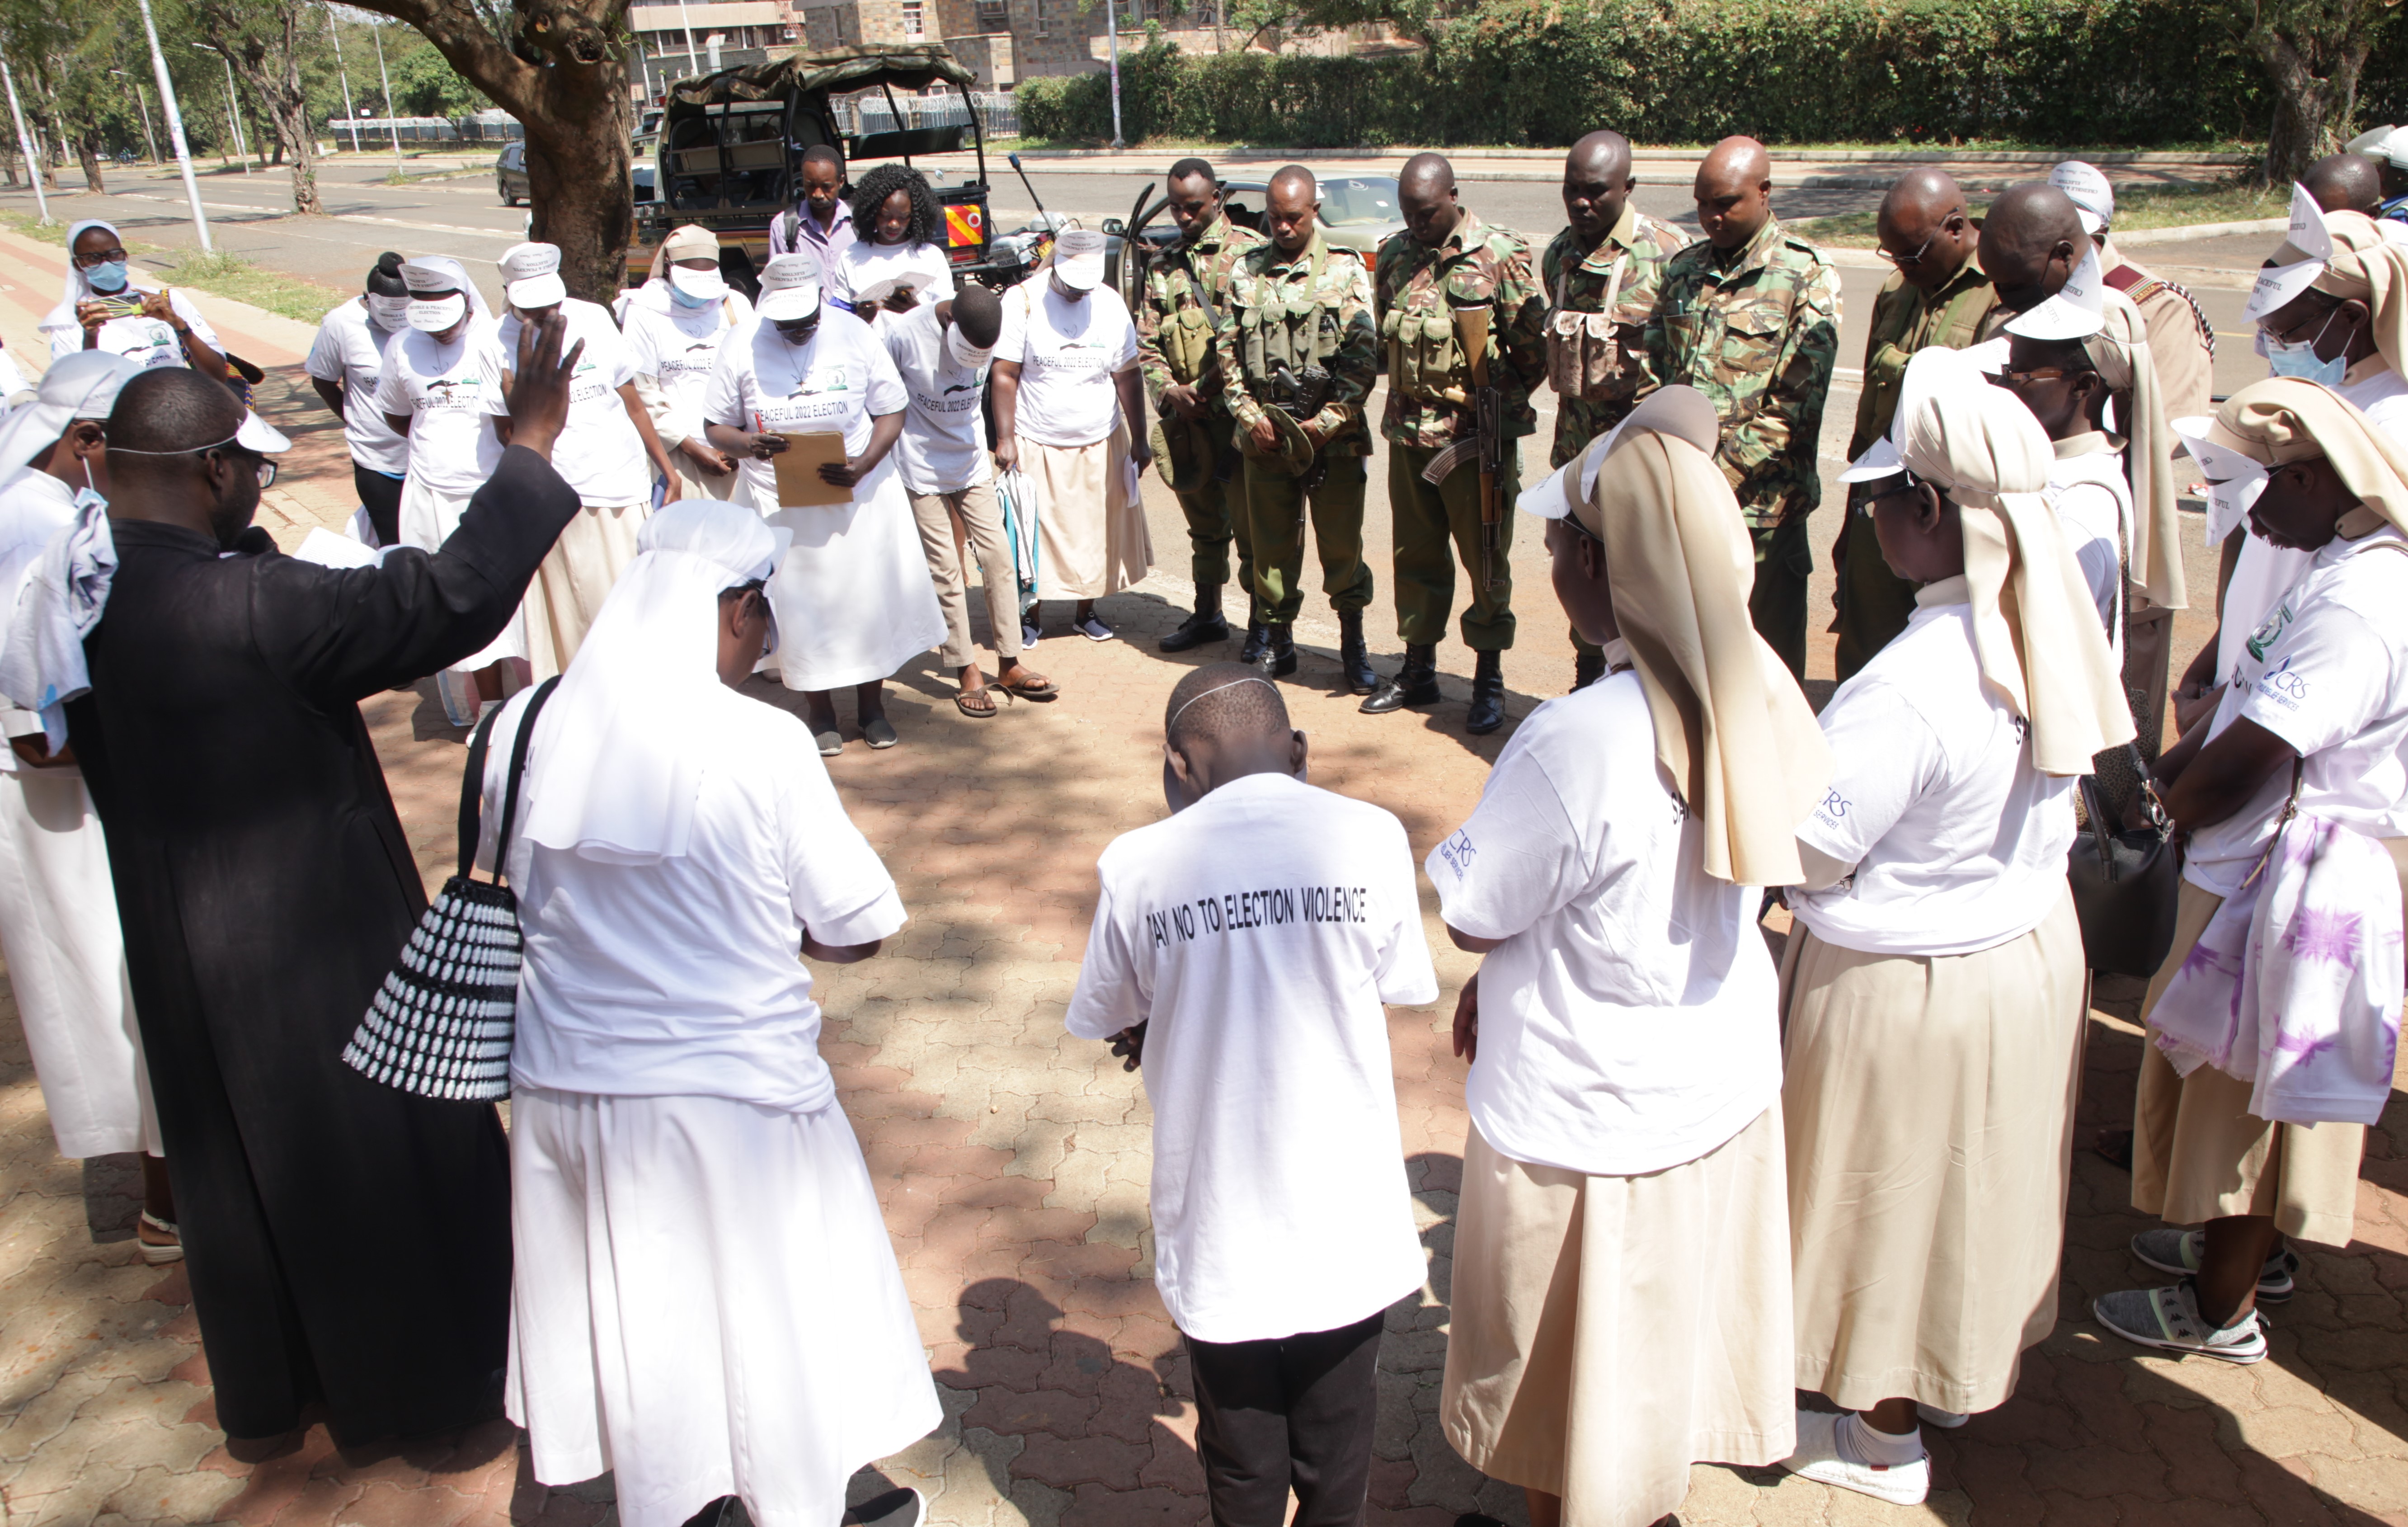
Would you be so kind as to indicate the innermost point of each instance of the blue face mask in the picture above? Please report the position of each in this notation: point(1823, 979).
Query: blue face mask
point(108, 278)
point(684, 299)
point(2300, 359)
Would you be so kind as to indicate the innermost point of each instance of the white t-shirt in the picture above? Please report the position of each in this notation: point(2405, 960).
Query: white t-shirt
point(1629, 1022)
point(943, 446)
point(2094, 504)
point(598, 453)
point(681, 978)
point(147, 341)
point(33, 507)
point(1256, 936)
point(444, 391)
point(865, 265)
point(1069, 352)
point(840, 381)
point(350, 353)
point(2327, 672)
point(1958, 842)
point(677, 347)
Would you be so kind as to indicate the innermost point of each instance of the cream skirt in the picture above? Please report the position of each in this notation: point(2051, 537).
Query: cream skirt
point(576, 575)
point(1091, 534)
point(1930, 1124)
point(2197, 1153)
point(426, 520)
point(1608, 1331)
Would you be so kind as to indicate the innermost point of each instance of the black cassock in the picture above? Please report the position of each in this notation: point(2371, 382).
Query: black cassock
point(347, 1243)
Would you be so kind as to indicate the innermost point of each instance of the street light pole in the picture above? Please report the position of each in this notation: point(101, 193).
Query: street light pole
point(391, 123)
point(686, 17)
point(175, 116)
point(353, 116)
point(234, 107)
point(143, 100)
point(25, 142)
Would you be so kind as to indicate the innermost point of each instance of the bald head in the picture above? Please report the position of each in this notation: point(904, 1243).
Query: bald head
point(2031, 240)
point(2345, 182)
point(1222, 702)
point(172, 459)
point(1734, 192)
point(1598, 183)
point(1426, 199)
point(1925, 229)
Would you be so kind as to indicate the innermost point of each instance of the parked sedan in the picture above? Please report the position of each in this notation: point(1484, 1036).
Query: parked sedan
point(1357, 212)
point(510, 174)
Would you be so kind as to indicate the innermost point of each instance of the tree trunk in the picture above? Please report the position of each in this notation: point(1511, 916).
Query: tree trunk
point(578, 185)
point(88, 154)
point(270, 64)
point(292, 123)
point(2313, 64)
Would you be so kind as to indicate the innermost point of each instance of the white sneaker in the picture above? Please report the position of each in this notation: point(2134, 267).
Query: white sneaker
point(1947, 1420)
point(2168, 1321)
point(1820, 1458)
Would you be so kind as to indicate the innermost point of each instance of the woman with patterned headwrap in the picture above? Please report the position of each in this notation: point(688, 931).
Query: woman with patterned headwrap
point(1621, 1304)
point(2308, 741)
point(1934, 990)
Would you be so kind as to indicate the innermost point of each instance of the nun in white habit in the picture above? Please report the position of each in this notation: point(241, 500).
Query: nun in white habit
point(705, 1298)
point(58, 906)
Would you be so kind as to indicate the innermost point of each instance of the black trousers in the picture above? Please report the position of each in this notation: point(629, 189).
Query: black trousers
point(1295, 1411)
point(382, 497)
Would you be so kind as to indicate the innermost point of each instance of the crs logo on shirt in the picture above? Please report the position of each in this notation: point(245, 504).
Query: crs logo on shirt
point(1833, 808)
point(1458, 854)
point(2283, 684)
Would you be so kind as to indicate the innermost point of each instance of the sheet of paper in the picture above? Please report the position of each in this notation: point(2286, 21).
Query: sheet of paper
point(329, 549)
point(878, 291)
point(799, 483)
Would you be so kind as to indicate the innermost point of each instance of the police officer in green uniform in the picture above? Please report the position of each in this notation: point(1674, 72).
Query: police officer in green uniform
point(1446, 280)
point(1184, 300)
point(1300, 355)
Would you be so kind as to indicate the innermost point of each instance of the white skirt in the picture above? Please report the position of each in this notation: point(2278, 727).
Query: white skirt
point(426, 520)
point(705, 1301)
point(853, 597)
point(67, 962)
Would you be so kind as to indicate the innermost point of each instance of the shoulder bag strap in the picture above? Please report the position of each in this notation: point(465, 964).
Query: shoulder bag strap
point(472, 791)
point(517, 773)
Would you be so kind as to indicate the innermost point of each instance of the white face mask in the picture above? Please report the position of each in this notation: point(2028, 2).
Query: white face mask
point(700, 285)
point(440, 314)
point(387, 313)
point(968, 356)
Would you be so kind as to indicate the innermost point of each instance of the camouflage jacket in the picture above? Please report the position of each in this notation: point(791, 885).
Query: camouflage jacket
point(1415, 290)
point(1268, 289)
point(1759, 334)
point(1576, 281)
point(1907, 319)
point(1174, 326)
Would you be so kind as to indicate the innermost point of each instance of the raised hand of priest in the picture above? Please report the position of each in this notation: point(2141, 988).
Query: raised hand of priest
point(540, 385)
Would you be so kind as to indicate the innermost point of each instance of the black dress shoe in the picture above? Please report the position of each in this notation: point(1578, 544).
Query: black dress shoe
point(1487, 695)
point(1416, 684)
point(1277, 659)
point(1587, 667)
point(1196, 630)
point(1354, 658)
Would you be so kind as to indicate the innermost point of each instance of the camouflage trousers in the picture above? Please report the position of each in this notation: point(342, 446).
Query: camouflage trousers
point(1436, 526)
point(1275, 513)
point(1784, 558)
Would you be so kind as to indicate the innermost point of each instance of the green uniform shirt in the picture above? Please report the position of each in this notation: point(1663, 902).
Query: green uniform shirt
point(1429, 379)
point(1174, 326)
point(1758, 332)
point(1907, 319)
point(1576, 281)
point(1264, 276)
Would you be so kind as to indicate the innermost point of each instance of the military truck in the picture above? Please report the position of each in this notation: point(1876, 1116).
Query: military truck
point(731, 145)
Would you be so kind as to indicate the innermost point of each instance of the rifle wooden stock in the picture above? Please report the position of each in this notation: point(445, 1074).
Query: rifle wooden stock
point(1471, 333)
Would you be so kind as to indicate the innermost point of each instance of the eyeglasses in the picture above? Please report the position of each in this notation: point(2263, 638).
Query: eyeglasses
point(2322, 318)
point(266, 465)
point(2038, 373)
point(102, 257)
point(1902, 261)
point(1906, 482)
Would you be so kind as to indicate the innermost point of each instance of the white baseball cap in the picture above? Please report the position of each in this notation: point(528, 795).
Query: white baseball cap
point(531, 275)
point(1678, 410)
point(2077, 310)
point(2089, 192)
point(1078, 258)
point(2235, 480)
point(257, 434)
point(790, 288)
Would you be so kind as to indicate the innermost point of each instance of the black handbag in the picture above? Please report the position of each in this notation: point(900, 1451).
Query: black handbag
point(441, 1024)
point(2125, 882)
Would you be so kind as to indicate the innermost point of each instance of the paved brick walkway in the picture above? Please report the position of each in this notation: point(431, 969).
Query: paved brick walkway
point(1011, 1162)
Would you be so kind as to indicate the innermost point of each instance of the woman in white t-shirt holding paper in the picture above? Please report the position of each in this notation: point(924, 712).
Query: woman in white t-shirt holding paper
point(101, 308)
point(1934, 988)
point(1069, 412)
point(898, 261)
point(852, 599)
point(1621, 1293)
point(675, 324)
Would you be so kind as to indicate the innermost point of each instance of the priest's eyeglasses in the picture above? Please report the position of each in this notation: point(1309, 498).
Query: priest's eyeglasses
point(265, 466)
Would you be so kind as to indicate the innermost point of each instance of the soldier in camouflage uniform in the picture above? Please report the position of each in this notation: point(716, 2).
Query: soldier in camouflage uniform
point(1447, 260)
point(1185, 299)
point(1300, 356)
point(1600, 275)
point(1750, 316)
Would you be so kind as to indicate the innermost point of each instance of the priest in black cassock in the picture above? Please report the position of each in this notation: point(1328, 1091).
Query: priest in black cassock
point(348, 1244)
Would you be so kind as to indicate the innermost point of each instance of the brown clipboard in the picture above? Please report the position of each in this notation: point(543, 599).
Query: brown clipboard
point(799, 483)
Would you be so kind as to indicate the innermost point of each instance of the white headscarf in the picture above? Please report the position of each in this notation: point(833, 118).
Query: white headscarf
point(78, 288)
point(622, 748)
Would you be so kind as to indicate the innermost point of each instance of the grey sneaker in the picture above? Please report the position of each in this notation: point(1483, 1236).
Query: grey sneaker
point(2178, 1251)
point(2168, 1321)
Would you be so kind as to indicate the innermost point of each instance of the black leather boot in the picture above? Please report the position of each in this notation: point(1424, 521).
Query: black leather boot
point(1257, 634)
point(1279, 652)
point(1416, 684)
point(1587, 667)
point(1199, 627)
point(1354, 658)
point(1487, 695)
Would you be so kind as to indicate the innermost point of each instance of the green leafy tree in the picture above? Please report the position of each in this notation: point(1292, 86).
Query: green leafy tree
point(2312, 52)
point(265, 41)
point(424, 84)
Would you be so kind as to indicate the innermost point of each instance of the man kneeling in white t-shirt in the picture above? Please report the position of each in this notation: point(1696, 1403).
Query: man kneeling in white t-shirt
point(1242, 949)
